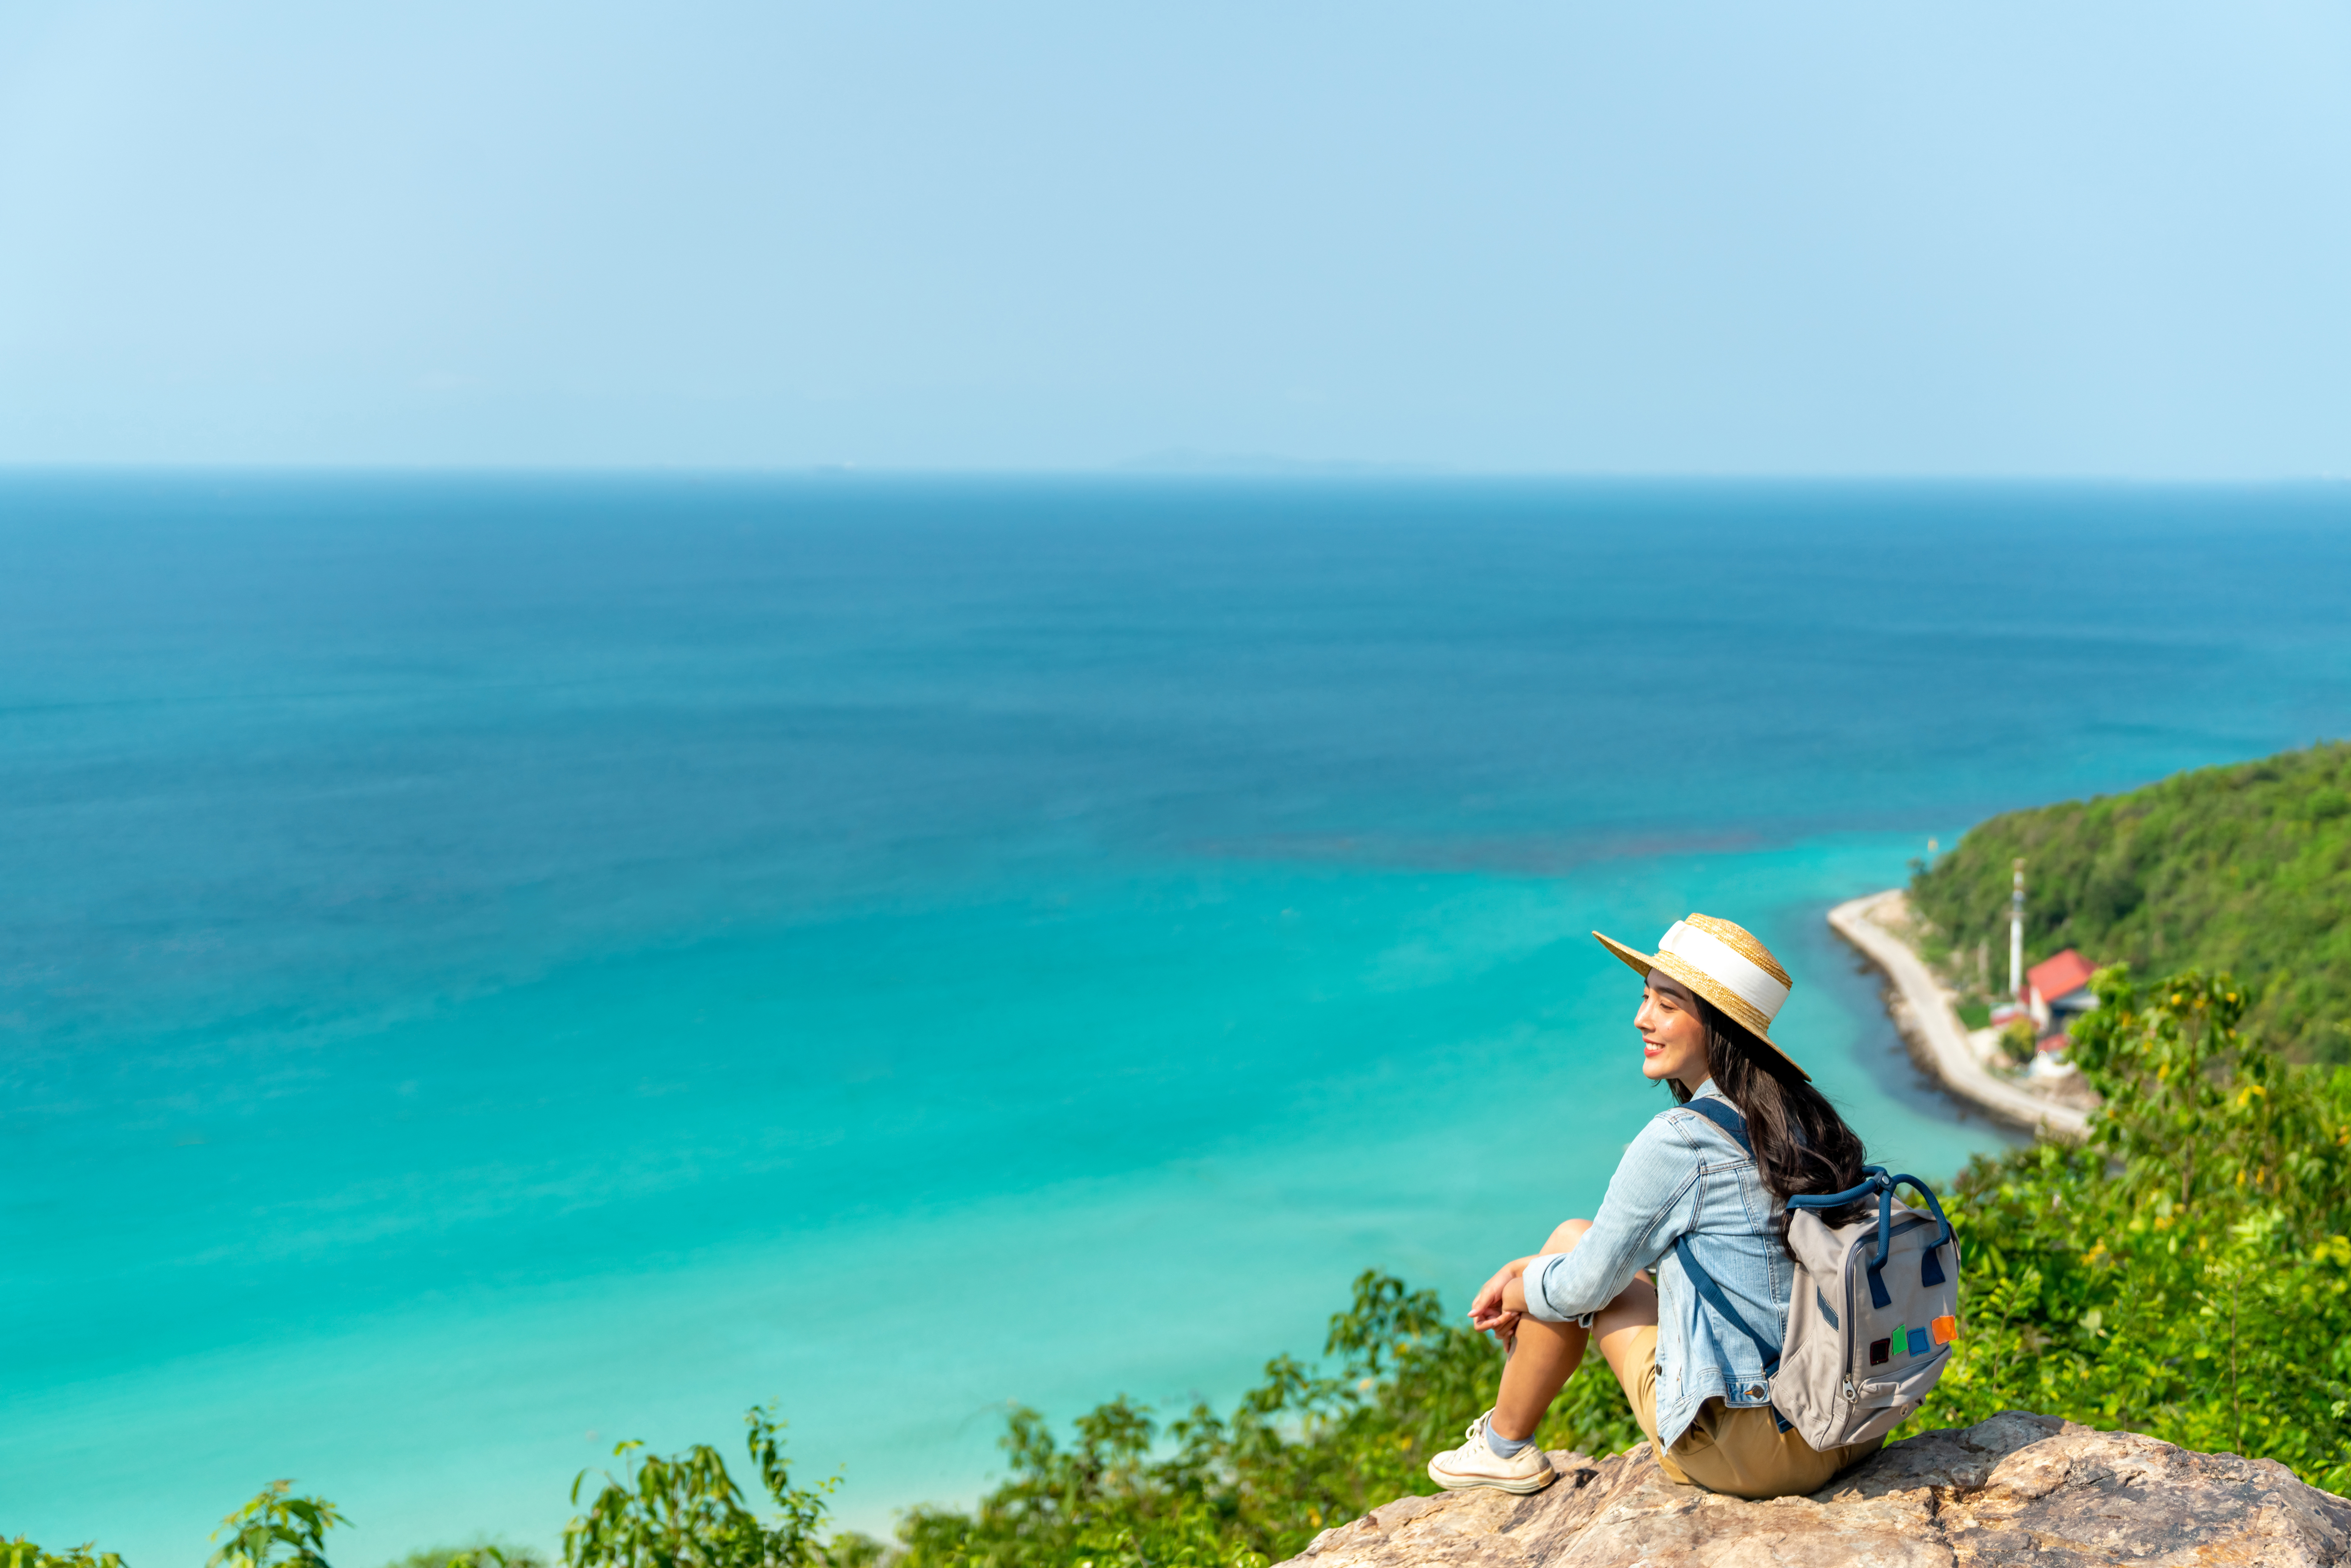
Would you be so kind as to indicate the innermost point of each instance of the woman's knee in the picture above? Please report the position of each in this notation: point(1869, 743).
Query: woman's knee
point(1635, 1306)
point(1568, 1233)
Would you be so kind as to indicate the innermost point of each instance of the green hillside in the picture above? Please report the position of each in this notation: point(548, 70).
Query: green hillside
point(2244, 869)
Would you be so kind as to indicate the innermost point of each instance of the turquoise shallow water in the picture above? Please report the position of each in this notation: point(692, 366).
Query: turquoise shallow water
point(496, 966)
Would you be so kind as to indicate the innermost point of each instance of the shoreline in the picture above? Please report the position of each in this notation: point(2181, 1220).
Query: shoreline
point(1916, 1005)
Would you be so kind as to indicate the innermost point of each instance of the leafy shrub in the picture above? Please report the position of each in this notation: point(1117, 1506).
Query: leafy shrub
point(276, 1530)
point(2185, 1272)
point(1302, 1451)
point(687, 1512)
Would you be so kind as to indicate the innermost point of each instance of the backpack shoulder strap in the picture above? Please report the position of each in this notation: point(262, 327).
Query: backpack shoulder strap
point(1723, 1115)
point(1712, 1294)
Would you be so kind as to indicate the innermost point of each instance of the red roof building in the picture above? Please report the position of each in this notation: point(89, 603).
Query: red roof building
point(2060, 976)
point(2059, 987)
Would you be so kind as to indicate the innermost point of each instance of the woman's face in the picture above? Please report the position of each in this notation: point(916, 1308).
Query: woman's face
point(1673, 1036)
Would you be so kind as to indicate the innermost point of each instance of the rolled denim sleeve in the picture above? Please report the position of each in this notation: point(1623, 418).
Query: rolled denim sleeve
point(1634, 1225)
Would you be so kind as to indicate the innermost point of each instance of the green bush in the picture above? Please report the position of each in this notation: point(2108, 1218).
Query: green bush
point(687, 1512)
point(1302, 1451)
point(2184, 1272)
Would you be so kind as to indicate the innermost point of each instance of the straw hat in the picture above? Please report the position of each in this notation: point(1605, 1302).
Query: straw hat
point(1725, 965)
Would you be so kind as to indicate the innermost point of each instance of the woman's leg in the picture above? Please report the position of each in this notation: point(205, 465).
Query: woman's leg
point(1541, 1358)
point(1542, 1354)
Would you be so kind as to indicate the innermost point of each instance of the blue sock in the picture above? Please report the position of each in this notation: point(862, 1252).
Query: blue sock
point(1503, 1447)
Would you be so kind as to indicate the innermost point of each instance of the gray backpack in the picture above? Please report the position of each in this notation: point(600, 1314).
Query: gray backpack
point(1873, 1315)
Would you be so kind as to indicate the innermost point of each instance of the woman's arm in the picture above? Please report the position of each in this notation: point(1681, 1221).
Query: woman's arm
point(1634, 1224)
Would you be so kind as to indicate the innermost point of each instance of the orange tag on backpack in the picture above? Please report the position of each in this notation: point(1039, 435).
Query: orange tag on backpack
point(1945, 1330)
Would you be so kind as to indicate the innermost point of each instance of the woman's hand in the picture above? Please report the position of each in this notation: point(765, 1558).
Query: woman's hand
point(1500, 1302)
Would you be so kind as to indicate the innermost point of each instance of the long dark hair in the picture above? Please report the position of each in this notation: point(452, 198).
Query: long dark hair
point(1801, 1146)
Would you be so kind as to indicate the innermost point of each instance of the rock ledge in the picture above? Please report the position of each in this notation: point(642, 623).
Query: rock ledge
point(2016, 1489)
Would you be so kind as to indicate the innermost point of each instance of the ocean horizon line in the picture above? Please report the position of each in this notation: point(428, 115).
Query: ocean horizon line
point(1205, 469)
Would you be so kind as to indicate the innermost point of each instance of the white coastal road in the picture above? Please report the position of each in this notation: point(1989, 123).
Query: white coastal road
point(1954, 1059)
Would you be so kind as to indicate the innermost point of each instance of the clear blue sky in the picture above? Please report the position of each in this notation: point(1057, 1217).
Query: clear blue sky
point(1826, 239)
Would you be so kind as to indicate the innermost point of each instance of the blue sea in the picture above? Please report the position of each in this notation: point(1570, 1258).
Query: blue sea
point(490, 967)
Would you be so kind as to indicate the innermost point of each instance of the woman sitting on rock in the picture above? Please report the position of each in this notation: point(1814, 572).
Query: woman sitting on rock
point(1696, 1382)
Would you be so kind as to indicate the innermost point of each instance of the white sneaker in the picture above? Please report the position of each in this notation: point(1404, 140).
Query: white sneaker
point(1474, 1464)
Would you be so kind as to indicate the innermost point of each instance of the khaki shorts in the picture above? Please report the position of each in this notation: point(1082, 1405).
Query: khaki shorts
point(1740, 1452)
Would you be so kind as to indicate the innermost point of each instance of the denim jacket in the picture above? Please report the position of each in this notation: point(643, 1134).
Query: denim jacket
point(1682, 1177)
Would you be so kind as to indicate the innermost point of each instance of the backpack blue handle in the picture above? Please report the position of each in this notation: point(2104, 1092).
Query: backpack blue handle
point(1930, 1262)
point(1839, 1199)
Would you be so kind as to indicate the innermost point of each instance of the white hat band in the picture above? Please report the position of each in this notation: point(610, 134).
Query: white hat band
point(1752, 984)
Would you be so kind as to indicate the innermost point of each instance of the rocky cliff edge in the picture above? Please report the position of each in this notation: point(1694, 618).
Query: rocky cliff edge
point(2016, 1489)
